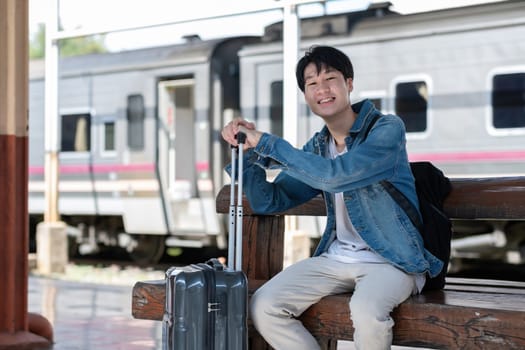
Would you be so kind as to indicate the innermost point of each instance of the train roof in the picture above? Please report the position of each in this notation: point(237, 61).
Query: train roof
point(335, 24)
point(192, 51)
point(459, 19)
point(379, 22)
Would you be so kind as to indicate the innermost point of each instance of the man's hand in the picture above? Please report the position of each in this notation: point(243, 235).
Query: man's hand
point(237, 125)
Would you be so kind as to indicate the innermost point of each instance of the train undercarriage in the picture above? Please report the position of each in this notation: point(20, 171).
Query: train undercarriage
point(499, 241)
point(88, 235)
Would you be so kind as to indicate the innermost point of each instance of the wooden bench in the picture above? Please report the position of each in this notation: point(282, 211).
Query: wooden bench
point(467, 314)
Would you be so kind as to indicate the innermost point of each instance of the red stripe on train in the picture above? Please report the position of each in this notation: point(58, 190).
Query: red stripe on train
point(450, 157)
point(96, 168)
point(456, 157)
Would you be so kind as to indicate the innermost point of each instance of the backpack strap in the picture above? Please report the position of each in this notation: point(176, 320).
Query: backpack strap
point(398, 196)
point(404, 203)
point(369, 127)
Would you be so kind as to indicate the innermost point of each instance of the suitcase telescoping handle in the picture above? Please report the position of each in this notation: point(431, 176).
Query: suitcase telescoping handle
point(235, 219)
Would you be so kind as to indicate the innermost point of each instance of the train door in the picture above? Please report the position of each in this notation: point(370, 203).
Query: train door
point(187, 214)
point(177, 116)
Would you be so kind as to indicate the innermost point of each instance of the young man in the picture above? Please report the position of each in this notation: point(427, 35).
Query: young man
point(369, 245)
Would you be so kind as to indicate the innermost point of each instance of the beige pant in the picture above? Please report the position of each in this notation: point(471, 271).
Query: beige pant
point(378, 288)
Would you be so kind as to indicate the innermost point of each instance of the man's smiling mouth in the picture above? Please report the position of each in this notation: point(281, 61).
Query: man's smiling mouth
point(326, 100)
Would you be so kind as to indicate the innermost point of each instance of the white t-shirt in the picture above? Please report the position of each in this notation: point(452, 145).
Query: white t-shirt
point(348, 245)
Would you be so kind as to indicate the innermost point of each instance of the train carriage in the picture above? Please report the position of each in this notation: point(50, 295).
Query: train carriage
point(138, 137)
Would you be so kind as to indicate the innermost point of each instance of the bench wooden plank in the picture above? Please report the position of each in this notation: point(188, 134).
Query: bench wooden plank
point(424, 320)
point(485, 286)
point(485, 198)
point(481, 299)
point(484, 282)
point(149, 297)
point(148, 300)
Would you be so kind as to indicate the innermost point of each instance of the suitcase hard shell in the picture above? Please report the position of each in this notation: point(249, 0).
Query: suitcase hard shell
point(206, 308)
point(206, 303)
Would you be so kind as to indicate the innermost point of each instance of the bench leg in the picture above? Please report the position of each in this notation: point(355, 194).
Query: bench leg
point(327, 343)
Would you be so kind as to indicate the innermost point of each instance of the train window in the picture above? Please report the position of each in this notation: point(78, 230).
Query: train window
point(276, 108)
point(108, 141)
point(75, 133)
point(508, 100)
point(377, 97)
point(411, 105)
point(135, 117)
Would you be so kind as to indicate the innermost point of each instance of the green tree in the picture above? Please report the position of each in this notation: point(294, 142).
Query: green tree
point(68, 47)
point(37, 44)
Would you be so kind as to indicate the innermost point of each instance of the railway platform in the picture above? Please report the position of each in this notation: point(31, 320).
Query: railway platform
point(90, 308)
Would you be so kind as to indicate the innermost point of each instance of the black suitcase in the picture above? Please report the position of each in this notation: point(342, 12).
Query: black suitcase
point(206, 303)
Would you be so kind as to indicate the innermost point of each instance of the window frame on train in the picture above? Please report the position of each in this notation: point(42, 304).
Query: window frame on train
point(394, 108)
point(108, 142)
point(377, 97)
point(276, 108)
point(68, 147)
point(498, 127)
point(135, 116)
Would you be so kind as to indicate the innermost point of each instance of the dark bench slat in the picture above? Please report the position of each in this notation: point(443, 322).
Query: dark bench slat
point(484, 282)
point(500, 300)
point(485, 286)
point(485, 289)
point(485, 198)
point(481, 289)
point(443, 319)
point(148, 300)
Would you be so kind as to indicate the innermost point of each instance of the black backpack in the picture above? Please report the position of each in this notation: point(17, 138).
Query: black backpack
point(432, 188)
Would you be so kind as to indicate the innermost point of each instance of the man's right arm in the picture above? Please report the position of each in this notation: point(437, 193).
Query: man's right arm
point(267, 197)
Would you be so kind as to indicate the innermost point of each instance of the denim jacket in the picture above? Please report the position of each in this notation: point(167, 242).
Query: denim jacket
point(305, 173)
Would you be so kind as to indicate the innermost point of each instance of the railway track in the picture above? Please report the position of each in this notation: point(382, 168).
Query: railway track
point(183, 257)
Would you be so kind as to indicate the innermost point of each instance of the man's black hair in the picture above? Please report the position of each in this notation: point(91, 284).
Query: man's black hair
point(323, 57)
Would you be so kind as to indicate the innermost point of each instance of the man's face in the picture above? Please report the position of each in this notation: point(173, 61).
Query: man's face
point(326, 92)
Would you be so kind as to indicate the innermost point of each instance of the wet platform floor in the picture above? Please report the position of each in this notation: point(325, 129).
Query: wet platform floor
point(91, 316)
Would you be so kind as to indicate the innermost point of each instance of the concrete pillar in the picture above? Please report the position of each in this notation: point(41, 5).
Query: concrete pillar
point(51, 236)
point(51, 247)
point(14, 234)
